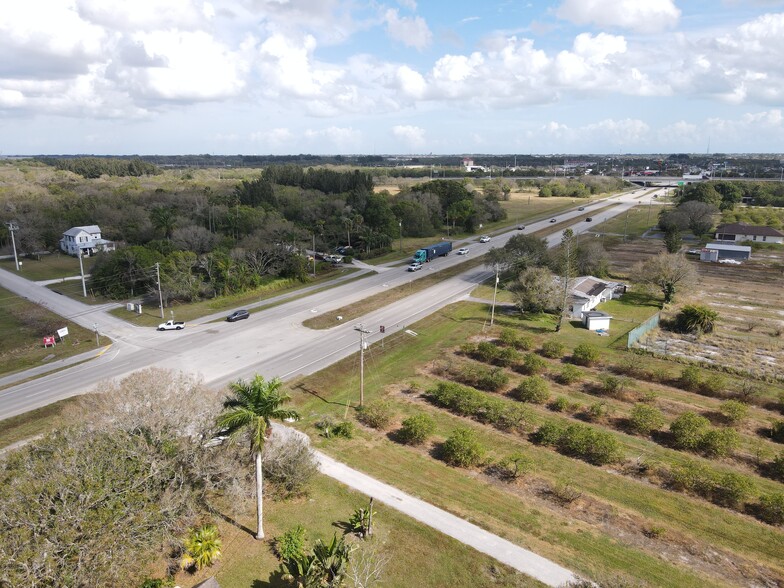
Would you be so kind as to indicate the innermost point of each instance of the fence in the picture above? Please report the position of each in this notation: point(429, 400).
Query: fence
point(637, 332)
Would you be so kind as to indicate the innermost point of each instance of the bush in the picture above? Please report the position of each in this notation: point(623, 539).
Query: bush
point(467, 401)
point(291, 544)
point(462, 448)
point(201, 547)
point(569, 375)
point(330, 428)
point(714, 385)
point(688, 429)
point(596, 447)
point(377, 414)
point(734, 411)
point(731, 489)
point(597, 411)
point(693, 477)
point(695, 318)
point(533, 389)
point(515, 466)
point(553, 349)
point(548, 434)
point(486, 351)
point(492, 379)
point(776, 467)
point(533, 364)
point(512, 339)
point(771, 508)
point(691, 378)
point(644, 419)
point(585, 354)
point(560, 404)
point(506, 356)
point(777, 431)
point(417, 429)
point(719, 442)
point(289, 465)
point(612, 385)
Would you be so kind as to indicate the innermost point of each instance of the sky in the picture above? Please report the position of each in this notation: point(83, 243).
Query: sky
point(391, 76)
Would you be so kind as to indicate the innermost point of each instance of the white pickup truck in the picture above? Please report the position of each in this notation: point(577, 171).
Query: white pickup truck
point(171, 326)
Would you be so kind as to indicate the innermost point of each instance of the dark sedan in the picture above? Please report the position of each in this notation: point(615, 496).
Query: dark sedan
point(238, 315)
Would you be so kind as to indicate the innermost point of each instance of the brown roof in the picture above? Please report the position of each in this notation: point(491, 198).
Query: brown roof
point(744, 229)
point(591, 287)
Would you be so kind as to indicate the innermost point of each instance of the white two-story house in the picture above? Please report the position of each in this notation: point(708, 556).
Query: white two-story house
point(87, 239)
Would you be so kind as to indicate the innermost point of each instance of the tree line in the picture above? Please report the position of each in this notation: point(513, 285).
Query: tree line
point(95, 167)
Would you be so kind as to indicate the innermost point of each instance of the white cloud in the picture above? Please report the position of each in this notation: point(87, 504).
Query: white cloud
point(411, 31)
point(644, 16)
point(596, 50)
point(344, 139)
point(410, 82)
point(145, 15)
point(412, 136)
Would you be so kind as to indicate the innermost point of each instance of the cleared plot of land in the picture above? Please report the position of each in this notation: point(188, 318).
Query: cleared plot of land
point(24, 325)
point(54, 266)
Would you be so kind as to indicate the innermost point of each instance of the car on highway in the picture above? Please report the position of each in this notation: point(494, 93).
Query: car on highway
point(588, 219)
point(552, 220)
point(462, 251)
point(581, 208)
point(238, 315)
point(484, 239)
point(415, 267)
point(520, 227)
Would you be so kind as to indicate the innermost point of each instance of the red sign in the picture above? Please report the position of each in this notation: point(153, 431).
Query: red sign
point(48, 341)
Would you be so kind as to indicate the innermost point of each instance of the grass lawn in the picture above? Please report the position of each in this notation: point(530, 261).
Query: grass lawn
point(49, 267)
point(633, 224)
point(24, 325)
point(32, 423)
point(418, 555)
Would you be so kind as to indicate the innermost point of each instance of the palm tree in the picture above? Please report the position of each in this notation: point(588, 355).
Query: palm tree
point(202, 548)
point(250, 409)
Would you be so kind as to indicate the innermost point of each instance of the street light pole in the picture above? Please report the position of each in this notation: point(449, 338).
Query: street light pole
point(81, 272)
point(495, 292)
point(400, 233)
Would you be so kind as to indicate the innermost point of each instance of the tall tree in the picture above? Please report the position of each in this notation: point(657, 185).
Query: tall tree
point(567, 260)
point(666, 272)
point(249, 411)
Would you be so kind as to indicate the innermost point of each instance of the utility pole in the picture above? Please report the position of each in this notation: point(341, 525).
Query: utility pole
point(400, 232)
point(158, 278)
point(625, 225)
point(81, 271)
point(12, 226)
point(362, 332)
point(95, 328)
point(314, 255)
point(495, 292)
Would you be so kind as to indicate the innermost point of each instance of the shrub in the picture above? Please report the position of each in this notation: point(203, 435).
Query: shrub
point(553, 349)
point(612, 385)
point(569, 375)
point(291, 544)
point(734, 411)
point(714, 385)
point(486, 351)
point(515, 466)
point(462, 448)
point(508, 416)
point(564, 493)
point(416, 429)
point(468, 349)
point(693, 477)
point(719, 442)
point(596, 447)
point(330, 429)
point(507, 356)
point(731, 489)
point(533, 364)
point(289, 464)
point(776, 467)
point(771, 508)
point(688, 429)
point(512, 339)
point(694, 318)
point(777, 431)
point(493, 379)
point(596, 411)
point(202, 547)
point(548, 434)
point(467, 401)
point(533, 389)
point(560, 404)
point(691, 378)
point(644, 419)
point(377, 414)
point(585, 354)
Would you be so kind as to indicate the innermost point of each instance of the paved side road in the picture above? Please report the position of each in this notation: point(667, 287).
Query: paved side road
point(525, 561)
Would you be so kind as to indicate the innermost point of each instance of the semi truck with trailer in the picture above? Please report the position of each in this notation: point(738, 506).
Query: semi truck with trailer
point(432, 251)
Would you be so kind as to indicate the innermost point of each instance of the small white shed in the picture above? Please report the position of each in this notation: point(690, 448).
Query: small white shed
point(595, 320)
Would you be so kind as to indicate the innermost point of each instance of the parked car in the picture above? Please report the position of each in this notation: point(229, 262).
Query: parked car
point(171, 326)
point(462, 251)
point(588, 219)
point(238, 315)
point(484, 239)
point(415, 267)
point(552, 220)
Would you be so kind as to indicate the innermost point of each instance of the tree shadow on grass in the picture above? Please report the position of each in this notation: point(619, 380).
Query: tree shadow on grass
point(275, 581)
point(233, 522)
point(301, 386)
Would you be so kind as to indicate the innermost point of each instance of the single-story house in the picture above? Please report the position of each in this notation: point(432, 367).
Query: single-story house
point(719, 251)
point(587, 292)
point(87, 239)
point(595, 320)
point(739, 232)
